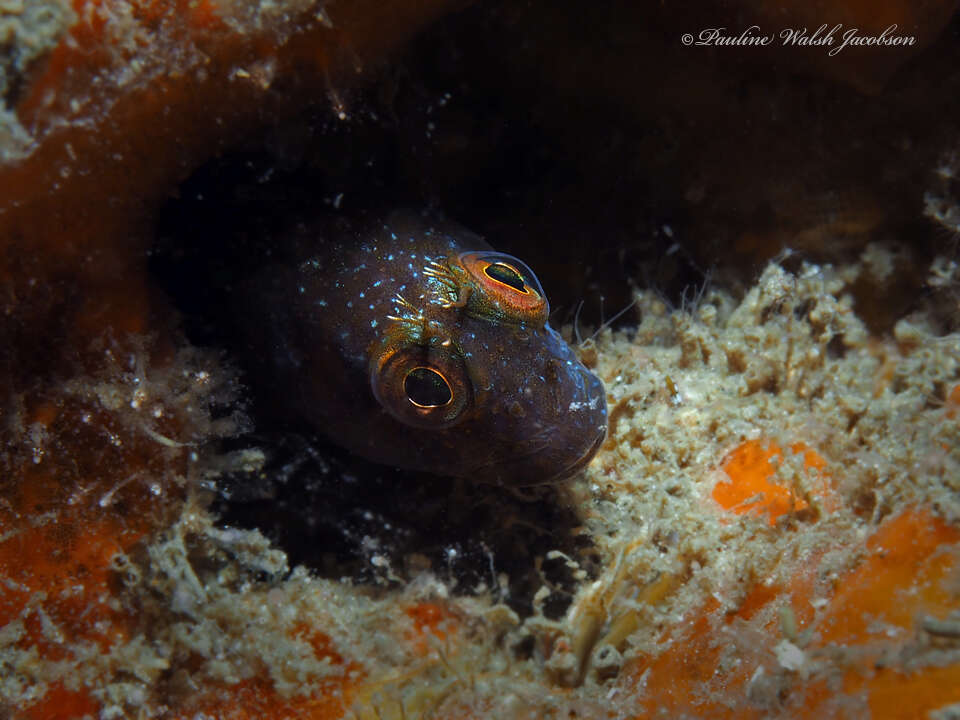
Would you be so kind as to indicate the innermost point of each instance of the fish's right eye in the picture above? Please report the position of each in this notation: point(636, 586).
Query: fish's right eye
point(424, 386)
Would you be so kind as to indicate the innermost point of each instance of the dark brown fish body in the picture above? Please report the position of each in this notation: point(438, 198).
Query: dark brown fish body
point(412, 343)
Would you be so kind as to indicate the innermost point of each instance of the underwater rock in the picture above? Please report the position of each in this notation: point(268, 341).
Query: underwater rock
point(122, 102)
point(107, 105)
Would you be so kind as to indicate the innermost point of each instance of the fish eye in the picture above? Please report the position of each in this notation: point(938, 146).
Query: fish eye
point(505, 289)
point(503, 273)
point(426, 386)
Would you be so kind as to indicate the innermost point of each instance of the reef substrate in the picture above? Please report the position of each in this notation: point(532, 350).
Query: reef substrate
point(775, 510)
point(776, 506)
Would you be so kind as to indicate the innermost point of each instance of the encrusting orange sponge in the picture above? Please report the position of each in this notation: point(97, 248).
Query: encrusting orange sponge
point(876, 648)
point(752, 488)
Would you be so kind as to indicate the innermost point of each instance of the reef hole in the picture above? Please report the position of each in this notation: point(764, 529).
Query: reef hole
point(434, 129)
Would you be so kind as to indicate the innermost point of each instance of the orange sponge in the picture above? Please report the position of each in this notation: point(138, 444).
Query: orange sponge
point(871, 650)
point(752, 488)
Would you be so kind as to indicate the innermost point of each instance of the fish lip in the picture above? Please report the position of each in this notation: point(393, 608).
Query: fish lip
point(584, 459)
point(561, 474)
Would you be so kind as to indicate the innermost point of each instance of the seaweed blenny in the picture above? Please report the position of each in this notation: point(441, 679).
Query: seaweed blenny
point(412, 343)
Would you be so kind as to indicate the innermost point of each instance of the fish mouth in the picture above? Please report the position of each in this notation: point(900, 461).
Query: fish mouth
point(584, 460)
point(509, 470)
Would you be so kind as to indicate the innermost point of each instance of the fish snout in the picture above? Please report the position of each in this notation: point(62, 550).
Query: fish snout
point(556, 426)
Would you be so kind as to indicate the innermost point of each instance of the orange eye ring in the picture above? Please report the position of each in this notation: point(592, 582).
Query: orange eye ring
point(508, 289)
point(423, 386)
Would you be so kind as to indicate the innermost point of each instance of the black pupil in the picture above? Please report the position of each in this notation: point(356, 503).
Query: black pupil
point(507, 275)
point(426, 387)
